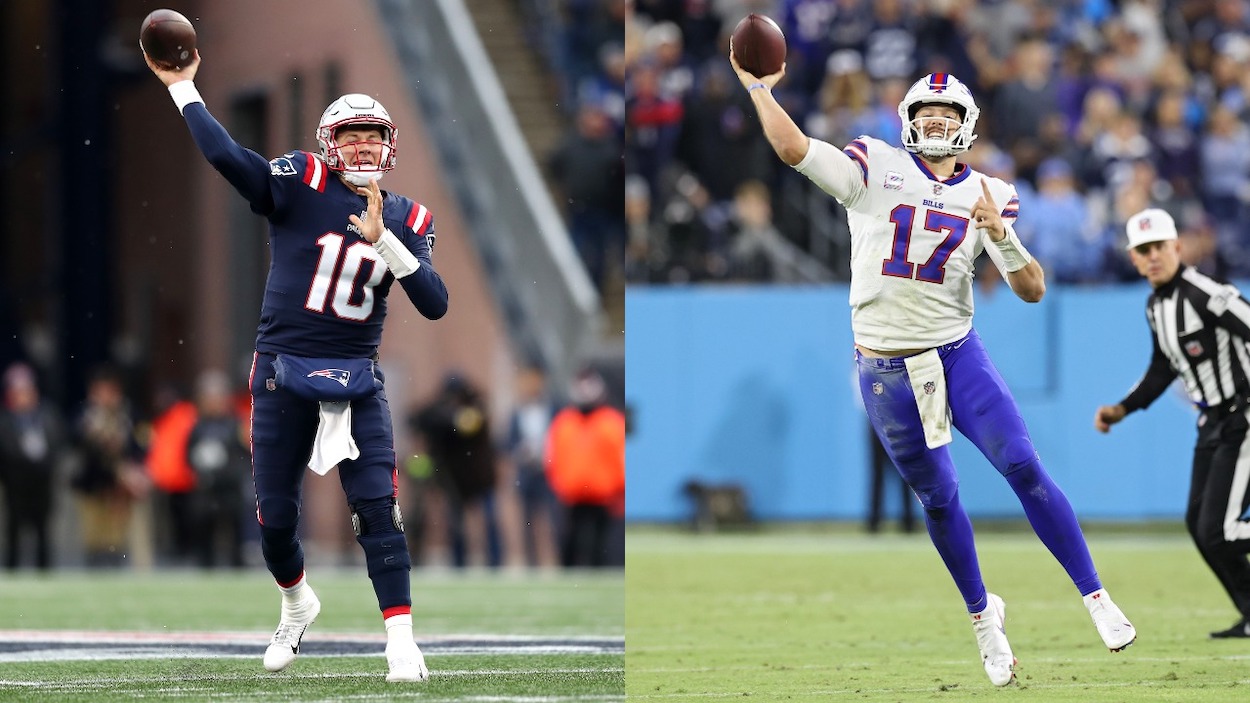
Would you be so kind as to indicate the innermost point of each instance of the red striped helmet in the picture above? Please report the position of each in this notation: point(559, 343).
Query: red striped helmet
point(939, 89)
point(356, 109)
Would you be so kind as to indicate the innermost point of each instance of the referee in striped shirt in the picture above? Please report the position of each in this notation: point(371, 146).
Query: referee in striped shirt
point(1201, 328)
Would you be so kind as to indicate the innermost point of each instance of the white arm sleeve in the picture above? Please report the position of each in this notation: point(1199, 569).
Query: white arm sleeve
point(398, 259)
point(835, 172)
point(184, 93)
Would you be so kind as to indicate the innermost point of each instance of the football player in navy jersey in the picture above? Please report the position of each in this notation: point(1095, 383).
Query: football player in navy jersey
point(338, 243)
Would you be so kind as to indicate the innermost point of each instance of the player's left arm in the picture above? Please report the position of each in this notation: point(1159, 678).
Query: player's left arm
point(1023, 273)
point(408, 254)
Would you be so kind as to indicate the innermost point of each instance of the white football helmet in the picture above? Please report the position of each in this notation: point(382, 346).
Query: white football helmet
point(940, 89)
point(356, 109)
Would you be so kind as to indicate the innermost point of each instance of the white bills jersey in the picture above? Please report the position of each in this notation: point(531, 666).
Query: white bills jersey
point(913, 242)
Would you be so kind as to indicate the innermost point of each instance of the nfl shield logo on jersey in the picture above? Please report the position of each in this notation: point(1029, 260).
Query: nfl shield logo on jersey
point(937, 188)
point(340, 375)
point(877, 388)
point(1193, 348)
point(929, 387)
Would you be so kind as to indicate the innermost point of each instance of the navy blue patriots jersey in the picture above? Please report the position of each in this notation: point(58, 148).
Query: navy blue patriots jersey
point(326, 292)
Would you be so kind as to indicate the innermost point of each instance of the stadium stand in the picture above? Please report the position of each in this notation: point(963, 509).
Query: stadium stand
point(1095, 109)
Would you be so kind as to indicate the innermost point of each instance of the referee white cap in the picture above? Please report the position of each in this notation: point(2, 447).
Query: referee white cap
point(1153, 225)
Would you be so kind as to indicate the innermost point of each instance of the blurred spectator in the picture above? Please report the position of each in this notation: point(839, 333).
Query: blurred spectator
point(1023, 101)
point(1225, 154)
point(844, 99)
point(111, 477)
point(217, 453)
point(1116, 150)
point(528, 425)
point(587, 167)
point(721, 130)
point(32, 442)
point(456, 429)
point(588, 26)
point(645, 252)
point(607, 88)
point(653, 125)
point(1199, 246)
point(689, 239)
point(889, 47)
point(585, 458)
point(881, 120)
point(1228, 21)
point(1175, 144)
point(1059, 232)
point(171, 474)
point(756, 251)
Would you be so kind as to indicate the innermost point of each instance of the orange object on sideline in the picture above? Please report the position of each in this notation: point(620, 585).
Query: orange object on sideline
point(586, 456)
point(167, 454)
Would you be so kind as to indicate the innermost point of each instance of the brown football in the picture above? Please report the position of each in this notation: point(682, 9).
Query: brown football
point(759, 45)
point(168, 38)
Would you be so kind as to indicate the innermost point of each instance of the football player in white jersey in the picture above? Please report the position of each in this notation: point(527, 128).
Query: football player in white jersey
point(919, 218)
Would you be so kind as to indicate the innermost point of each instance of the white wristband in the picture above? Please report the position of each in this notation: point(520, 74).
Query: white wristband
point(1015, 256)
point(398, 259)
point(184, 93)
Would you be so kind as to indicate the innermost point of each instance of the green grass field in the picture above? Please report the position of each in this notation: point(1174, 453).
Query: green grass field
point(832, 614)
point(88, 636)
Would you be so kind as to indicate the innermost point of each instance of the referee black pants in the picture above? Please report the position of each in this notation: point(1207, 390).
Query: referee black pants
point(1218, 500)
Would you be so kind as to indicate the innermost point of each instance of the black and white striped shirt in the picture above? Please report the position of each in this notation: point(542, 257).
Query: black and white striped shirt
point(1201, 328)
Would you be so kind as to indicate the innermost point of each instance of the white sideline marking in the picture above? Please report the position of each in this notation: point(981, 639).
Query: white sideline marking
point(50, 645)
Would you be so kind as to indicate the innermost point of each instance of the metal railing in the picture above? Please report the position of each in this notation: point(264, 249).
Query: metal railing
point(551, 309)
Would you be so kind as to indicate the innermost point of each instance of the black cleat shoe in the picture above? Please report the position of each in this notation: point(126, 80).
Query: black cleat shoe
point(1241, 629)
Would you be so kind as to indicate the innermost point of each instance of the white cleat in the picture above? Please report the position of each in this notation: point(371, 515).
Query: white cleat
point(284, 645)
point(1116, 631)
point(990, 626)
point(405, 661)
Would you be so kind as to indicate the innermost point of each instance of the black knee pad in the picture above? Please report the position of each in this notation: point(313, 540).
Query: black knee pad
point(380, 532)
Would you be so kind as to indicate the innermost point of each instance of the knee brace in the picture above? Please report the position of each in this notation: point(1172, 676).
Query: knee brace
point(379, 529)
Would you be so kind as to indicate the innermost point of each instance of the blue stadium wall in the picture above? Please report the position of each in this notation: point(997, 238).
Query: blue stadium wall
point(754, 386)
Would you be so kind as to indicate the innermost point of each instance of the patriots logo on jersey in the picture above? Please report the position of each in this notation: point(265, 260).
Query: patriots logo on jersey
point(282, 166)
point(340, 375)
point(351, 226)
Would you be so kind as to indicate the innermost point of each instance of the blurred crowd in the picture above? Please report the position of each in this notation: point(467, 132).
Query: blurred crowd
point(582, 43)
point(1094, 109)
point(103, 487)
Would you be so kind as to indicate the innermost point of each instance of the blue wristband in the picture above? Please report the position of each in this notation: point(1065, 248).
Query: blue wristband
point(753, 86)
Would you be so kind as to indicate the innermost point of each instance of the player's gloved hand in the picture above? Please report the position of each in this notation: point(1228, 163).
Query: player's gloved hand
point(171, 76)
point(749, 79)
point(371, 228)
